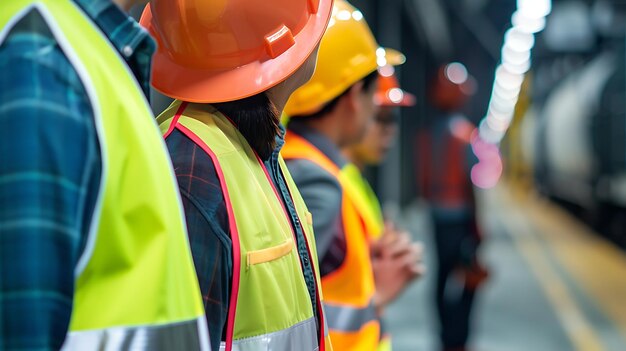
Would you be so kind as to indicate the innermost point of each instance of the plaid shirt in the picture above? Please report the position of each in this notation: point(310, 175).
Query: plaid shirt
point(50, 167)
point(207, 224)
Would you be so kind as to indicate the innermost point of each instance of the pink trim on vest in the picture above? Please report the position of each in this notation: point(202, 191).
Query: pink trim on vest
point(234, 233)
point(179, 112)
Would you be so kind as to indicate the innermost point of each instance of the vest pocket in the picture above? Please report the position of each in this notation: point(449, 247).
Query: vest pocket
point(270, 253)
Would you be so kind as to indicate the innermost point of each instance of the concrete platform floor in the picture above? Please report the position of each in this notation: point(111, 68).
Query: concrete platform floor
point(554, 285)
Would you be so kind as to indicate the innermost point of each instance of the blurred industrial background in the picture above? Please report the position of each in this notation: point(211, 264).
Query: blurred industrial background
point(548, 82)
point(545, 86)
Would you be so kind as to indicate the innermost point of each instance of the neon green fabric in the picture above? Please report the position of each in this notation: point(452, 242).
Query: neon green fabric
point(365, 199)
point(272, 292)
point(137, 268)
point(385, 344)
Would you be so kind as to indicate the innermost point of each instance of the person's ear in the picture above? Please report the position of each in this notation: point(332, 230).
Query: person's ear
point(353, 97)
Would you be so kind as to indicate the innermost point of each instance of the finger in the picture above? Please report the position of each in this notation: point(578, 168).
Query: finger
point(417, 270)
point(415, 250)
point(419, 247)
point(411, 258)
point(418, 250)
point(400, 246)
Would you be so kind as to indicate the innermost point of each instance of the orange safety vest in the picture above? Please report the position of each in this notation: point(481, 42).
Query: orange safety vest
point(369, 210)
point(349, 290)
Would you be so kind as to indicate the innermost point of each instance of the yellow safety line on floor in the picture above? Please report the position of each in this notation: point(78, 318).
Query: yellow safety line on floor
point(597, 266)
point(573, 320)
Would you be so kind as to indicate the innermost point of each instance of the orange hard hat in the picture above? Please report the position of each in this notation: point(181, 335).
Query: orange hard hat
point(225, 50)
point(389, 92)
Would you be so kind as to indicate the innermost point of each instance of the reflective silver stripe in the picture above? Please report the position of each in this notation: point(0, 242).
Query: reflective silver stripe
point(325, 320)
point(177, 336)
point(300, 337)
point(348, 318)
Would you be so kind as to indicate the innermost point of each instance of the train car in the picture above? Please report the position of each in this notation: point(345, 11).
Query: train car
point(576, 144)
point(573, 135)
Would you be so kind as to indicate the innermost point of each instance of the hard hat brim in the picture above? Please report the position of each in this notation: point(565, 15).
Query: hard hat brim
point(394, 57)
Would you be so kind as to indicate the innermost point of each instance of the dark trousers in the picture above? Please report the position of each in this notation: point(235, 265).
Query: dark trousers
point(454, 301)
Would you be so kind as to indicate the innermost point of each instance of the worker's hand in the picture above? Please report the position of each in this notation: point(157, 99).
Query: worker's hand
point(396, 262)
point(397, 244)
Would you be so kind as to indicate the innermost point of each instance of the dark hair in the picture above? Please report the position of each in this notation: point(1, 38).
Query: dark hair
point(368, 81)
point(257, 119)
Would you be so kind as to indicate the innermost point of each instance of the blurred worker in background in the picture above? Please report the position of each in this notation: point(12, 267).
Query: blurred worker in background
point(445, 162)
point(380, 135)
point(330, 112)
point(232, 65)
point(92, 234)
point(386, 238)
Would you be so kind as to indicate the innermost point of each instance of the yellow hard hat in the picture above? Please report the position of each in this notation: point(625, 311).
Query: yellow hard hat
point(346, 55)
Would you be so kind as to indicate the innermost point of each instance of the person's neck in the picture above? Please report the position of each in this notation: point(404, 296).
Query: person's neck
point(329, 126)
point(279, 98)
point(360, 165)
point(350, 155)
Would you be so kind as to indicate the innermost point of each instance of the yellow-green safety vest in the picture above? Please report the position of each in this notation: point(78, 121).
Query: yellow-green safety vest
point(135, 285)
point(270, 307)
